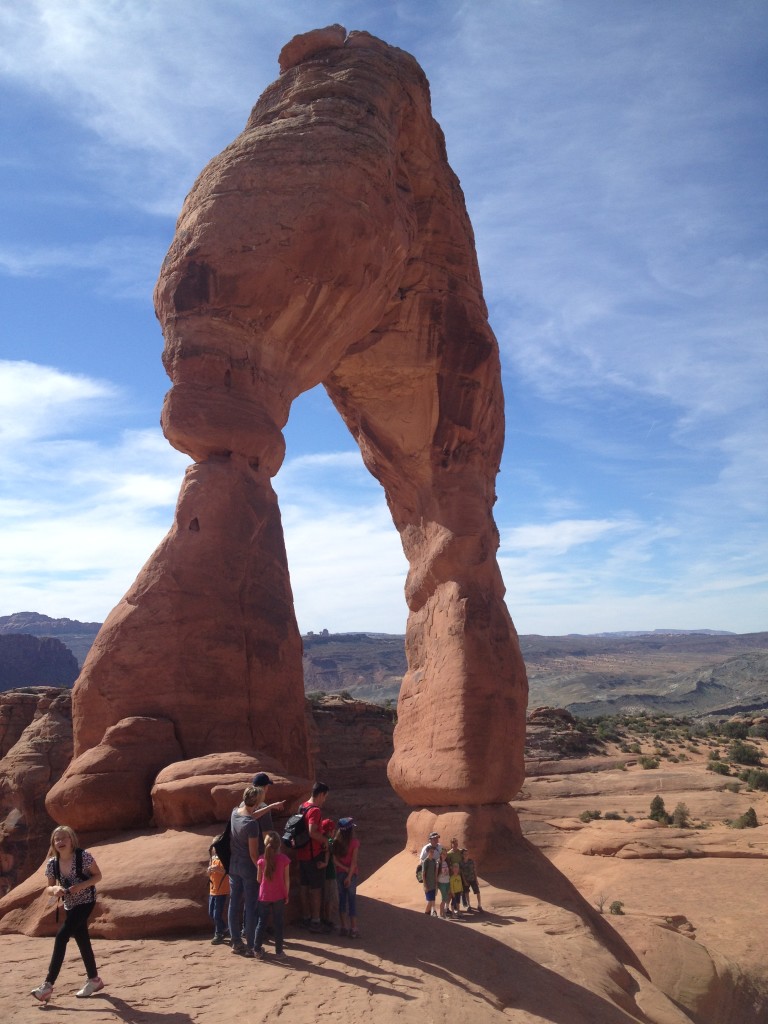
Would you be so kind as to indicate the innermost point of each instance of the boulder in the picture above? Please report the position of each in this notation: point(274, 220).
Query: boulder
point(108, 787)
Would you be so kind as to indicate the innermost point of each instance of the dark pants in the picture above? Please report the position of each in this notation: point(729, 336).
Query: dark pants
point(216, 906)
point(75, 926)
point(277, 923)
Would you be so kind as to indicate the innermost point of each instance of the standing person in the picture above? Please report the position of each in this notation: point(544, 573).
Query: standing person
point(262, 780)
point(469, 878)
point(274, 875)
point(71, 875)
point(243, 879)
point(457, 888)
point(345, 853)
point(218, 890)
point(455, 856)
point(330, 889)
point(429, 879)
point(444, 883)
point(433, 843)
point(313, 858)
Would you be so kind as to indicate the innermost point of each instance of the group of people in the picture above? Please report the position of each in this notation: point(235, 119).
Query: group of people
point(257, 881)
point(257, 878)
point(450, 872)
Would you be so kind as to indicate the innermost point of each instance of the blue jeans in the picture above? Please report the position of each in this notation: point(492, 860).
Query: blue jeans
point(347, 893)
point(243, 889)
point(277, 909)
point(216, 906)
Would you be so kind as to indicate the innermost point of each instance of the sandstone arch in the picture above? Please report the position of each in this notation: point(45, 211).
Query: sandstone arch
point(329, 243)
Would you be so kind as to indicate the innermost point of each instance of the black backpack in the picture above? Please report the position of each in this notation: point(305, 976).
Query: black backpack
point(296, 832)
point(222, 844)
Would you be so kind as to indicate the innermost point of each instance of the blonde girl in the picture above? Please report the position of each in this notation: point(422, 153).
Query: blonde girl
point(71, 875)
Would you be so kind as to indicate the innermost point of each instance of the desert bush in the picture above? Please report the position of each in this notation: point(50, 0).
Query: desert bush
point(760, 730)
point(315, 695)
point(648, 762)
point(734, 730)
point(630, 817)
point(747, 820)
point(587, 816)
point(658, 811)
point(617, 907)
point(755, 779)
point(635, 748)
point(719, 767)
point(612, 816)
point(744, 753)
point(681, 816)
point(732, 787)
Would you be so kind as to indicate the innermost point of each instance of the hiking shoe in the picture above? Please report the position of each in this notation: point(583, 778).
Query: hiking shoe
point(354, 933)
point(91, 986)
point(217, 940)
point(43, 992)
point(250, 953)
point(260, 954)
point(238, 948)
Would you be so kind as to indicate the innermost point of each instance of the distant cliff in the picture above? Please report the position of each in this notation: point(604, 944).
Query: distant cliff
point(35, 661)
point(77, 636)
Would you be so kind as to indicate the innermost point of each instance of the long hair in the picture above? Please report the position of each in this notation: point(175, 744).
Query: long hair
point(52, 851)
point(271, 850)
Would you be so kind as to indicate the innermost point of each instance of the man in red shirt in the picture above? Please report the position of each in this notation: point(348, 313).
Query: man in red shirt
point(313, 858)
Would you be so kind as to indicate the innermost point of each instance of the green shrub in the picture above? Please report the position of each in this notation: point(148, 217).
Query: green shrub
point(719, 767)
point(744, 753)
point(612, 816)
point(648, 762)
point(734, 730)
point(747, 820)
point(681, 816)
point(658, 811)
point(759, 730)
point(755, 779)
point(617, 907)
point(587, 816)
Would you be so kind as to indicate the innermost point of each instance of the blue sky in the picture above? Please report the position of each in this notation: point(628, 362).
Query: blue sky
point(613, 158)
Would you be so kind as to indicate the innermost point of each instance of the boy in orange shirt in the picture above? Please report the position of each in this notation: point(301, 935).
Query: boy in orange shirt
point(218, 890)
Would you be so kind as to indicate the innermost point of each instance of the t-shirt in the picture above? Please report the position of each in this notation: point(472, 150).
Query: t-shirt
point(345, 862)
point(456, 884)
point(244, 827)
point(468, 872)
point(443, 872)
point(454, 857)
point(429, 846)
point(218, 879)
point(430, 874)
point(272, 890)
point(314, 817)
point(74, 899)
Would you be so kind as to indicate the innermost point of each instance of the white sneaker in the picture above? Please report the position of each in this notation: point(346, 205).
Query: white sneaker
point(91, 986)
point(43, 992)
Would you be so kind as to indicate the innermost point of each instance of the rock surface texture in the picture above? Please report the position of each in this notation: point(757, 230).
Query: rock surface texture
point(329, 243)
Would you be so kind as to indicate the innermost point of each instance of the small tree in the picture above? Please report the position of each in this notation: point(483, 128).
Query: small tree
point(658, 811)
point(617, 907)
point(681, 816)
point(747, 820)
point(744, 753)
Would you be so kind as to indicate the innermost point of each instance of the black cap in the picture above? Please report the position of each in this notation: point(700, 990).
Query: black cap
point(262, 779)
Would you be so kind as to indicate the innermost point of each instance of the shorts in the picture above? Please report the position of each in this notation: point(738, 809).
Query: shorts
point(473, 886)
point(445, 889)
point(429, 895)
point(310, 875)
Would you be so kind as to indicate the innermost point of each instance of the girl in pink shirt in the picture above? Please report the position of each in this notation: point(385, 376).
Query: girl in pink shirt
point(345, 852)
point(273, 872)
